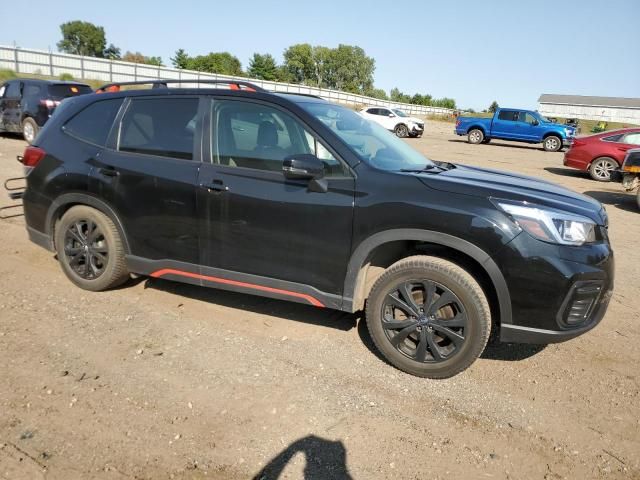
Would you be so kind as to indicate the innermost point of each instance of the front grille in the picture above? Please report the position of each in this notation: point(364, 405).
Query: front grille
point(580, 304)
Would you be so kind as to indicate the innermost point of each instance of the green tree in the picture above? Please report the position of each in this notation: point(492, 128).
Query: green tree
point(264, 67)
point(82, 38)
point(397, 96)
point(220, 62)
point(298, 63)
point(111, 52)
point(350, 69)
point(181, 59)
point(137, 57)
point(377, 93)
point(493, 107)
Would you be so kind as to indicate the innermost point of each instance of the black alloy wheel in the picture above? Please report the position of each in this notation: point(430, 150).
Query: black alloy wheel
point(424, 321)
point(86, 249)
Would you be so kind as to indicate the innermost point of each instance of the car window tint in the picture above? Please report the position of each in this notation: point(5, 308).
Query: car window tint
point(13, 90)
point(613, 138)
point(632, 138)
point(64, 90)
point(527, 118)
point(93, 123)
point(373, 111)
point(384, 112)
point(31, 90)
point(508, 115)
point(251, 135)
point(163, 127)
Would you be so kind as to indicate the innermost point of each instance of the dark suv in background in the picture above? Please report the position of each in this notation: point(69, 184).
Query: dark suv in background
point(296, 198)
point(26, 104)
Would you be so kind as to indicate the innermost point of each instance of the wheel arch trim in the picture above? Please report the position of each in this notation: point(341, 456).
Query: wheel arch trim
point(361, 253)
point(81, 198)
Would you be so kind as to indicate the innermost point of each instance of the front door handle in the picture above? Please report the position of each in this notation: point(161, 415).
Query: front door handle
point(109, 172)
point(215, 186)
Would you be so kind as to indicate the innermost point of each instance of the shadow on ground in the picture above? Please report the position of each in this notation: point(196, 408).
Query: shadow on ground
point(260, 305)
point(567, 172)
point(325, 459)
point(499, 144)
point(623, 200)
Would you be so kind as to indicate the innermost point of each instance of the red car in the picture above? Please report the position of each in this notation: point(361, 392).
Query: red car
point(602, 153)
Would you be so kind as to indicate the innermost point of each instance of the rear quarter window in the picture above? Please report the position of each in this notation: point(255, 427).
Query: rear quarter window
point(93, 123)
point(612, 138)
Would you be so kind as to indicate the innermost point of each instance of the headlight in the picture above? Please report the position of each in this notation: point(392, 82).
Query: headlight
point(548, 224)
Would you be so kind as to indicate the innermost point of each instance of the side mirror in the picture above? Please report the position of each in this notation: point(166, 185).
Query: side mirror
point(305, 166)
point(535, 123)
point(391, 115)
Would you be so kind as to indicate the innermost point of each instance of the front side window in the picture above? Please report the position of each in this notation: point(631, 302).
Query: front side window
point(527, 118)
point(508, 115)
point(384, 112)
point(260, 137)
point(400, 113)
point(164, 127)
point(632, 138)
point(369, 141)
point(93, 123)
point(32, 90)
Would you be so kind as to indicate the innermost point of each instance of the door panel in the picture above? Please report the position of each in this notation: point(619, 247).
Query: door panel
point(505, 125)
point(257, 222)
point(151, 177)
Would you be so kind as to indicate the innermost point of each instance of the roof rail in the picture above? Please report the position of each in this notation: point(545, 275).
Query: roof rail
point(233, 84)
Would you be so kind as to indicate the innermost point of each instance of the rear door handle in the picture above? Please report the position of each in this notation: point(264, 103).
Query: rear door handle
point(215, 186)
point(109, 172)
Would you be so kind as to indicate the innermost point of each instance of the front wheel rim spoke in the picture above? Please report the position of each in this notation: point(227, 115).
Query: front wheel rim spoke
point(398, 303)
point(421, 349)
point(444, 299)
point(398, 325)
point(402, 335)
point(459, 321)
point(456, 338)
point(433, 347)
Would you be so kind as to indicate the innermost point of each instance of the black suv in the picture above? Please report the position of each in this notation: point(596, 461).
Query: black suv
point(296, 198)
point(26, 104)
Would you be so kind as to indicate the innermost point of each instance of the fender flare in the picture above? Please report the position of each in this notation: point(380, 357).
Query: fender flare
point(79, 198)
point(363, 250)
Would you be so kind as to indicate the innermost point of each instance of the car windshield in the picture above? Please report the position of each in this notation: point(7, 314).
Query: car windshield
point(400, 113)
point(368, 140)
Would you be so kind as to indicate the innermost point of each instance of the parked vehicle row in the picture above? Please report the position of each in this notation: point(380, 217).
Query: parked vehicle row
point(516, 125)
point(629, 173)
point(603, 153)
point(27, 104)
point(235, 189)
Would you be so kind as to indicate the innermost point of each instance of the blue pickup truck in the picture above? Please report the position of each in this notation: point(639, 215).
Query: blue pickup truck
point(516, 125)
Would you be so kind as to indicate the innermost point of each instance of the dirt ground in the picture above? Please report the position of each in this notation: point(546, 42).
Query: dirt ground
point(160, 380)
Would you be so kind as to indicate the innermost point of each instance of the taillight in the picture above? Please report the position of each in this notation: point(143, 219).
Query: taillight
point(50, 103)
point(32, 156)
point(578, 143)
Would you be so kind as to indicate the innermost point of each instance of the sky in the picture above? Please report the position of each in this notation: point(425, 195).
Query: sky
point(474, 52)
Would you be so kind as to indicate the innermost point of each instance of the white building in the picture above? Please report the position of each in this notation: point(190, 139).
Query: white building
point(608, 109)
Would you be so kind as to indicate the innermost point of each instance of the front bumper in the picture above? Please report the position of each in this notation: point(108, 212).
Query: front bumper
point(557, 292)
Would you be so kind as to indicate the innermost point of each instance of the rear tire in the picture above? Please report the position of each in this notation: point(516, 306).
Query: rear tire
point(29, 130)
point(90, 249)
point(552, 143)
point(475, 136)
point(601, 168)
point(428, 317)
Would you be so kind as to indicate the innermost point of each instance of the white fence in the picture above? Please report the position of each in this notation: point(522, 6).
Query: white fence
point(23, 60)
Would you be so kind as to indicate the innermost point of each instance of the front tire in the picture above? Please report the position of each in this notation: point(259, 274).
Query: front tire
point(90, 250)
point(475, 136)
point(552, 143)
point(401, 130)
point(601, 168)
point(428, 317)
point(29, 130)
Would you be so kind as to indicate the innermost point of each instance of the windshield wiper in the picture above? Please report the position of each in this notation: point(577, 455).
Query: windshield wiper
point(427, 168)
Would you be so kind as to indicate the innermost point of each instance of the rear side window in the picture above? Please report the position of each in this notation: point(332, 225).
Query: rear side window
point(93, 123)
point(508, 115)
point(613, 138)
point(632, 138)
point(65, 91)
point(163, 127)
point(32, 90)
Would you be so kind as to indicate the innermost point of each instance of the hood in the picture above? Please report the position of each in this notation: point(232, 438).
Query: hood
point(559, 126)
point(414, 120)
point(488, 183)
